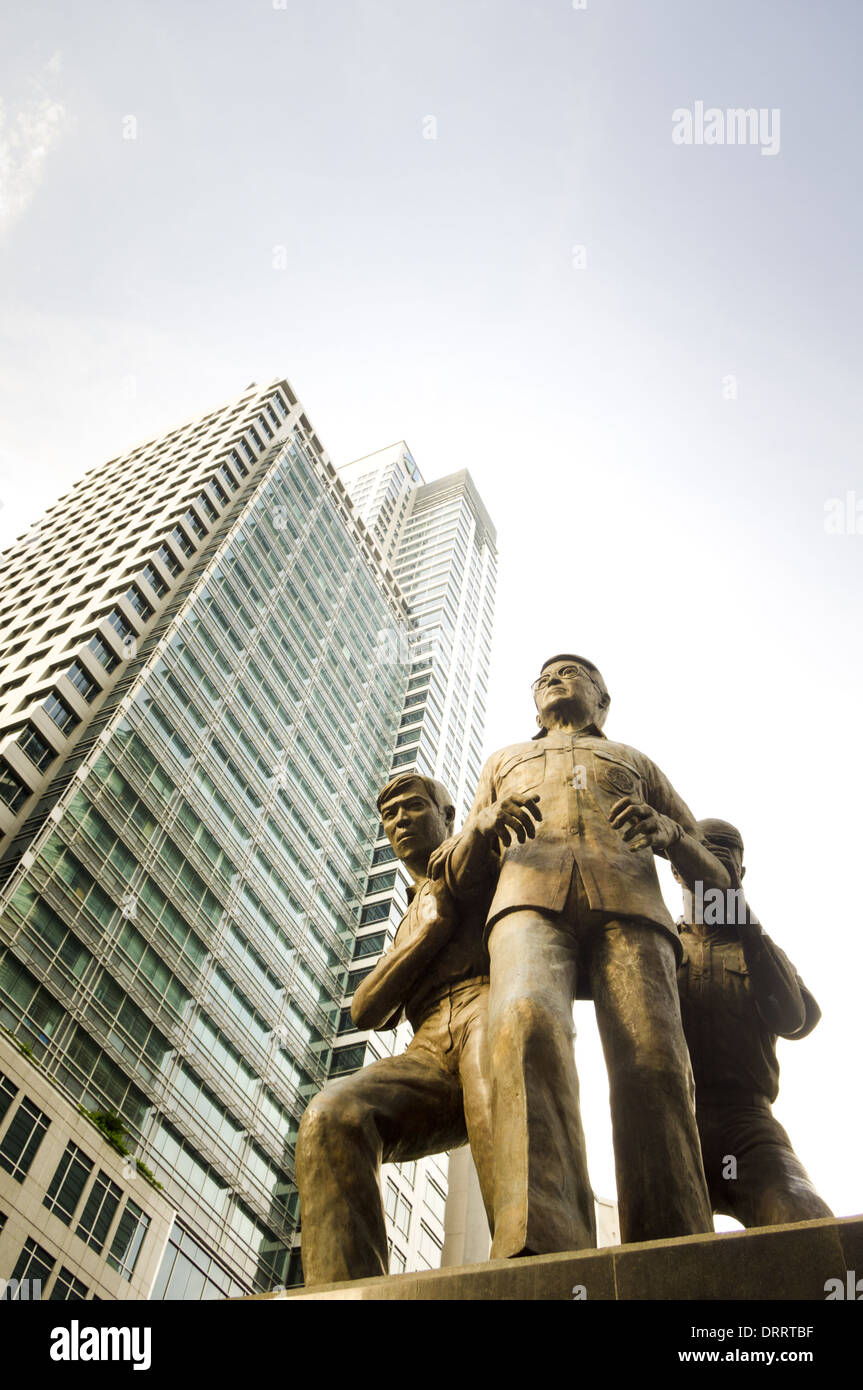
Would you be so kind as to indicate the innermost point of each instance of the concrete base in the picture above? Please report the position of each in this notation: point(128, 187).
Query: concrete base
point(769, 1263)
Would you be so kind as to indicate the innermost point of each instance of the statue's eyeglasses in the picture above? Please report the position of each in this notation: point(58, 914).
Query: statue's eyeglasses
point(565, 671)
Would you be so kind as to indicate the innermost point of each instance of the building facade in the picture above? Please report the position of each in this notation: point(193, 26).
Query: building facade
point(195, 725)
point(441, 544)
point(208, 668)
point(78, 1220)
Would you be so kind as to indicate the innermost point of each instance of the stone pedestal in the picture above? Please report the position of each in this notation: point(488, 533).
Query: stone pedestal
point(770, 1263)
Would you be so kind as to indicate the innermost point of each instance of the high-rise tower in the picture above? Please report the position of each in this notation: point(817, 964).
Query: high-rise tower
point(207, 671)
point(195, 724)
point(442, 546)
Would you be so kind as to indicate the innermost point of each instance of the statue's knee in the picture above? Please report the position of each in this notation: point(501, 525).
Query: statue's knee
point(526, 1024)
point(658, 1073)
point(331, 1119)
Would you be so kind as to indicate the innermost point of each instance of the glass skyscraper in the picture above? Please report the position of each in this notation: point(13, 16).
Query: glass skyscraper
point(208, 664)
point(442, 546)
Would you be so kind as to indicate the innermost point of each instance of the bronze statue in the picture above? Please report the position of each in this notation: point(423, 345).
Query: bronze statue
point(738, 993)
point(436, 1095)
point(577, 912)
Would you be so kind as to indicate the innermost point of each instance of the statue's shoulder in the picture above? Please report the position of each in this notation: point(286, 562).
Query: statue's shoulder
point(513, 752)
point(624, 751)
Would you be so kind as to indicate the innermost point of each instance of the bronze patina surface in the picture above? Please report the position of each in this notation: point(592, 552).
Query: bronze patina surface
point(436, 1095)
point(739, 993)
point(577, 912)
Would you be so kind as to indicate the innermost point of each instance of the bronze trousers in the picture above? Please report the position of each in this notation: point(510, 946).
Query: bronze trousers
point(435, 1096)
point(753, 1174)
point(543, 1200)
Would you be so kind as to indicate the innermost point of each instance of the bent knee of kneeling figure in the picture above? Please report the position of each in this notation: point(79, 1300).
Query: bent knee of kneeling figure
point(331, 1120)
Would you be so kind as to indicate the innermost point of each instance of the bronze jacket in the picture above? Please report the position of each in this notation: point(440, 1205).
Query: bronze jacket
point(732, 1048)
point(578, 778)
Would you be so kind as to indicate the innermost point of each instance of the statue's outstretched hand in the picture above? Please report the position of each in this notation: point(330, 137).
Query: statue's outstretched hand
point(514, 815)
point(641, 826)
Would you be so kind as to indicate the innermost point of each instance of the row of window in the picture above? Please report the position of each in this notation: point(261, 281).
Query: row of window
point(65, 1196)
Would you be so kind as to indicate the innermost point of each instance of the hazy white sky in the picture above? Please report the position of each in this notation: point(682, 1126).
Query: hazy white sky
point(647, 354)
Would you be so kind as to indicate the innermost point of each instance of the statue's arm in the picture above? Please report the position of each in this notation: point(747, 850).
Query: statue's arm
point(782, 999)
point(469, 862)
point(665, 824)
point(426, 928)
point(664, 799)
point(695, 863)
point(463, 862)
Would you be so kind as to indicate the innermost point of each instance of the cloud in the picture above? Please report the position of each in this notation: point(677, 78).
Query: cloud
point(27, 136)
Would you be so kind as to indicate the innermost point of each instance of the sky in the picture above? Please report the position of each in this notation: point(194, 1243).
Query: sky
point(469, 225)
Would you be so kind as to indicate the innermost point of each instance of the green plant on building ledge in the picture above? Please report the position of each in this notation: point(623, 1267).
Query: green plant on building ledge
point(21, 1046)
point(112, 1128)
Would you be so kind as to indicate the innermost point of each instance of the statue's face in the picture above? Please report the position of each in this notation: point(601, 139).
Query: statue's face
point(567, 690)
point(414, 824)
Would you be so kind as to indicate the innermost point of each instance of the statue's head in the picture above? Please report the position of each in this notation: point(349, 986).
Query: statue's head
point(417, 815)
point(570, 690)
point(726, 843)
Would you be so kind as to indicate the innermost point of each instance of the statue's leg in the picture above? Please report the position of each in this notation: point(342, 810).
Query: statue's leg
point(763, 1181)
point(543, 1200)
point(398, 1108)
point(660, 1178)
point(470, 1031)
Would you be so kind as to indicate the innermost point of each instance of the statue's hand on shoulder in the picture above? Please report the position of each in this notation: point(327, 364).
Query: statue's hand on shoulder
point(641, 826)
point(469, 859)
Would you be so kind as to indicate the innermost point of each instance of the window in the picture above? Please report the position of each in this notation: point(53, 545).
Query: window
point(429, 1246)
point(195, 524)
point(8, 1092)
point(405, 757)
point(99, 1212)
point(435, 1200)
point(391, 1199)
point(403, 1215)
point(179, 537)
point(155, 581)
point(384, 854)
point(59, 711)
point(347, 1059)
point(13, 685)
point(369, 945)
point(68, 1183)
point(83, 681)
point(34, 1267)
point(382, 882)
point(169, 560)
point(377, 912)
point(139, 603)
point(128, 1239)
point(22, 1139)
point(38, 750)
point(66, 1286)
point(119, 623)
point(103, 652)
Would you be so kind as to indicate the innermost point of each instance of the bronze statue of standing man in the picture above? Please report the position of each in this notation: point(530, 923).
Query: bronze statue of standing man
point(578, 912)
